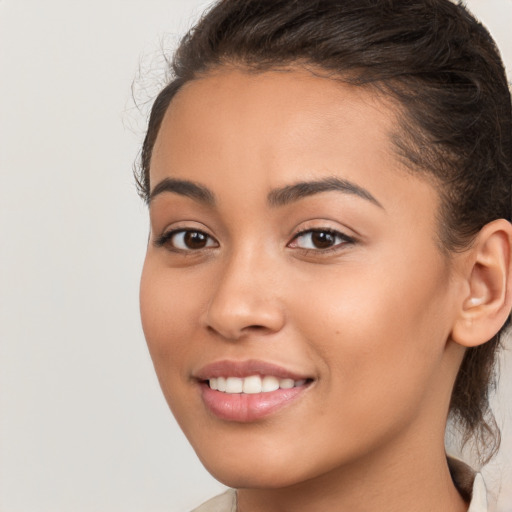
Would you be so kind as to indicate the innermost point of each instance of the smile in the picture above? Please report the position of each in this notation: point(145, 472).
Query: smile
point(253, 384)
point(247, 391)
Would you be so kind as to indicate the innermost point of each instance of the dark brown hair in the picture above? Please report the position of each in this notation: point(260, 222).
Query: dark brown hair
point(444, 72)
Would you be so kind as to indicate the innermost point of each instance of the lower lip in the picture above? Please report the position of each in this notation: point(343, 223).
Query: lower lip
point(245, 408)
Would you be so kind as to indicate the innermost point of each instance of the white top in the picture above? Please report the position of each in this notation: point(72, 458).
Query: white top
point(479, 497)
point(227, 502)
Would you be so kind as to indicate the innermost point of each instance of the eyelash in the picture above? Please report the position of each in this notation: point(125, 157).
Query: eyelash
point(165, 238)
point(345, 239)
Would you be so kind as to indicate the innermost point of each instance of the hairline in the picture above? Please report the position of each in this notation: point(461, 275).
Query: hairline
point(379, 88)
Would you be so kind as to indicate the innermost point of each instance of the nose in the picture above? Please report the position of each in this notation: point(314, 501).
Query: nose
point(245, 299)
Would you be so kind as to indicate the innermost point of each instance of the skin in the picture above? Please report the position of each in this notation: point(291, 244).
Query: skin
point(370, 320)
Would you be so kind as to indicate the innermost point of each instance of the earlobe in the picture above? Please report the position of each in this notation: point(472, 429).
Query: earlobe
point(488, 300)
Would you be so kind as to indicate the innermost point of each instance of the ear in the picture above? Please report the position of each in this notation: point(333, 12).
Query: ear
point(487, 297)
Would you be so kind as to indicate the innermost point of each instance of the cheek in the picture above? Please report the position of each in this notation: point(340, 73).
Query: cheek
point(169, 310)
point(380, 333)
point(170, 306)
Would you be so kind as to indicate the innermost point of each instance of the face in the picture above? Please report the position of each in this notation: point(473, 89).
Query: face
point(294, 298)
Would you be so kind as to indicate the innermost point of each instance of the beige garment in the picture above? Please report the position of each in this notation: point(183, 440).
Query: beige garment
point(223, 503)
point(227, 502)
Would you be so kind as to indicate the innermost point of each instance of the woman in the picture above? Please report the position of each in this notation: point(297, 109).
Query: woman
point(328, 272)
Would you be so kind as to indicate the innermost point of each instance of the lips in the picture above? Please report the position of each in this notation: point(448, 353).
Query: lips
point(249, 390)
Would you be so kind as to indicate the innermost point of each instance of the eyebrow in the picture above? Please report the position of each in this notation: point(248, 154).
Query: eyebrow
point(184, 188)
point(297, 191)
point(278, 197)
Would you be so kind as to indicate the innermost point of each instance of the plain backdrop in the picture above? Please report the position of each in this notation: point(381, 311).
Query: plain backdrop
point(83, 425)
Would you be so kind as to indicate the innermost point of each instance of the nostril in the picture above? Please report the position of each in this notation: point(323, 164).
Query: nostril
point(258, 330)
point(237, 334)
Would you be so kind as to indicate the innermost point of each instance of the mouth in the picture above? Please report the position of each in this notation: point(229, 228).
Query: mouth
point(252, 385)
point(249, 391)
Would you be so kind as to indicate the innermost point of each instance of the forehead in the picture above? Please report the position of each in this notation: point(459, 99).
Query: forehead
point(275, 109)
point(278, 127)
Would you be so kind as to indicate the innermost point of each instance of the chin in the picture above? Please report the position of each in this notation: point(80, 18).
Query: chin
point(255, 477)
point(259, 464)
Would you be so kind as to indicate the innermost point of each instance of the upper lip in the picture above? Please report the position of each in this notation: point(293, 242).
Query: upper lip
point(241, 369)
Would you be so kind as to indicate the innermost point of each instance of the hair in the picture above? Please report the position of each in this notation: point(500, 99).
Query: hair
point(443, 71)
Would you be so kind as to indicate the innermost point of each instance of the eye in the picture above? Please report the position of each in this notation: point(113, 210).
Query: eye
point(186, 240)
point(320, 239)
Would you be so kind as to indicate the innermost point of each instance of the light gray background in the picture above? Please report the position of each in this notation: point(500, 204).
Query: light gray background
point(83, 425)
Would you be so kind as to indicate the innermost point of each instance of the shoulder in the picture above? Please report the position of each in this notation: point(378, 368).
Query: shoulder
point(225, 502)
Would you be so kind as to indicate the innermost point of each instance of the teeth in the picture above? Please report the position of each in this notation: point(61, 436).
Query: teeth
point(221, 384)
point(269, 383)
point(253, 384)
point(234, 385)
point(286, 383)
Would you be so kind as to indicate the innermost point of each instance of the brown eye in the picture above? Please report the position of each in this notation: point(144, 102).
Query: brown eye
point(195, 240)
point(320, 239)
point(187, 240)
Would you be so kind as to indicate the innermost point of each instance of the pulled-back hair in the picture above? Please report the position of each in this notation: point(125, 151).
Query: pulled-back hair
point(445, 74)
